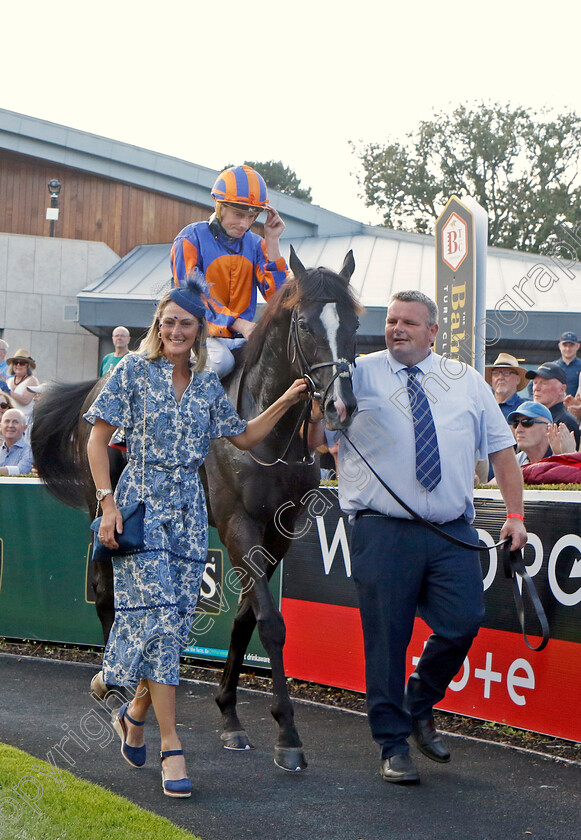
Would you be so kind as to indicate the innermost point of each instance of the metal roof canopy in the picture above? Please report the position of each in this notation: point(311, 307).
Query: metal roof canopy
point(385, 261)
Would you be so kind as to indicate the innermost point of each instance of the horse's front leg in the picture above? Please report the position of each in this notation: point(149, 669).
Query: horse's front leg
point(288, 751)
point(234, 736)
point(255, 564)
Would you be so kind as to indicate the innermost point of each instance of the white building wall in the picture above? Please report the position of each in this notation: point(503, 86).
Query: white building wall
point(39, 276)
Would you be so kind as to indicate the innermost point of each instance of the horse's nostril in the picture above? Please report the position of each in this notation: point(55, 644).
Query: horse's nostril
point(340, 408)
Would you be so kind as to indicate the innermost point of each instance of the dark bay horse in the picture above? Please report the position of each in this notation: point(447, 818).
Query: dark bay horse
point(254, 498)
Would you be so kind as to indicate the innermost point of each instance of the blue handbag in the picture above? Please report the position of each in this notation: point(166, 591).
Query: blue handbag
point(131, 540)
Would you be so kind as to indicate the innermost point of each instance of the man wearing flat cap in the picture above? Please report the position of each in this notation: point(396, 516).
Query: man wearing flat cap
point(569, 361)
point(549, 389)
point(506, 377)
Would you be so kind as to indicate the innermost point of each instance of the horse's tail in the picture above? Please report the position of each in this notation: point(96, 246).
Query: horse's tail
point(59, 441)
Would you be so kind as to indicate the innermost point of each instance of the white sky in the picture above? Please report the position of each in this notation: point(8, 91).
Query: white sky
point(218, 82)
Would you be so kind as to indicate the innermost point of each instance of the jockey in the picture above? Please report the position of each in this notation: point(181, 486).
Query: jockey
point(235, 261)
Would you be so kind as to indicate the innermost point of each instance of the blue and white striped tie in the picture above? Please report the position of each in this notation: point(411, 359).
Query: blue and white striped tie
point(428, 470)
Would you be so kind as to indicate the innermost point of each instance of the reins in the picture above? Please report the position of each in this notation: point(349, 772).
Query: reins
point(307, 460)
point(513, 563)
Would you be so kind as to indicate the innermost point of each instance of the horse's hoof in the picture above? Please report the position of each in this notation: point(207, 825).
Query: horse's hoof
point(290, 758)
point(236, 741)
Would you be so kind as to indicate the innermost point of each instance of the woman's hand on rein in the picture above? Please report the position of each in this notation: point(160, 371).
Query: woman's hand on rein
point(297, 392)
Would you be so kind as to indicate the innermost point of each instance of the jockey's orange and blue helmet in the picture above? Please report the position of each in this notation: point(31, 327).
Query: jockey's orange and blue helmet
point(242, 186)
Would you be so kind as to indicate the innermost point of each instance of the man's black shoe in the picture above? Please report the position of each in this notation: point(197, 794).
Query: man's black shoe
point(400, 769)
point(429, 742)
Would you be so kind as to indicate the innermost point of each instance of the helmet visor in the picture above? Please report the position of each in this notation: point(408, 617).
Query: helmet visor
point(245, 208)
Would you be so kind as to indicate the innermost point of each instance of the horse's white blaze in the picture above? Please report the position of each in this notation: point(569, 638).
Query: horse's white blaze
point(330, 320)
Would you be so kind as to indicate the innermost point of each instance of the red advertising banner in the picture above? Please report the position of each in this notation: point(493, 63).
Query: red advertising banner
point(501, 680)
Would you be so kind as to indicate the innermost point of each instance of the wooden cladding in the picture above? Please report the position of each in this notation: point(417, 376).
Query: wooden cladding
point(90, 207)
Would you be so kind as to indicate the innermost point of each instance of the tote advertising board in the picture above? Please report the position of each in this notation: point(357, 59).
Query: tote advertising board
point(502, 680)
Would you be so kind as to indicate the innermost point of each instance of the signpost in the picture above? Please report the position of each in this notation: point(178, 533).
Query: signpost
point(461, 240)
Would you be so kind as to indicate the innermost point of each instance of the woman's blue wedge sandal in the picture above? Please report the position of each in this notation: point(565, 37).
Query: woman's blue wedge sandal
point(178, 788)
point(133, 755)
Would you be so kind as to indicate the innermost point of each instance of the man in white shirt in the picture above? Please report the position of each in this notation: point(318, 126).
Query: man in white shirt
point(15, 452)
point(398, 564)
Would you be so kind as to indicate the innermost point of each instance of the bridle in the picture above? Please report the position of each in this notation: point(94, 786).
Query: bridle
point(295, 353)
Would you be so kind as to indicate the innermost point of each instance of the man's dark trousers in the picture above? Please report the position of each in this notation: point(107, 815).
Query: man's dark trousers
point(398, 566)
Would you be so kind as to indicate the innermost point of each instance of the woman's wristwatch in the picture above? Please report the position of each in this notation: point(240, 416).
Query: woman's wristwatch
point(100, 494)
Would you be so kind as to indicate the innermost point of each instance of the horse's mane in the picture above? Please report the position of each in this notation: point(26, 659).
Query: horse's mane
point(320, 284)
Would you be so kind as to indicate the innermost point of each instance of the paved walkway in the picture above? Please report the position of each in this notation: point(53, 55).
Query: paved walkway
point(487, 792)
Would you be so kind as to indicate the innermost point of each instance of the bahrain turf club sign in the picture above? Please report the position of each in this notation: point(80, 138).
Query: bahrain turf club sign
point(461, 238)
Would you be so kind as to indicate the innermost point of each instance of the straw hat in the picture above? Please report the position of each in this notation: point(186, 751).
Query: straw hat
point(505, 360)
point(22, 356)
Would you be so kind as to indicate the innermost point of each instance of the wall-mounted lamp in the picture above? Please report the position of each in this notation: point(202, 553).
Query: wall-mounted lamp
point(52, 213)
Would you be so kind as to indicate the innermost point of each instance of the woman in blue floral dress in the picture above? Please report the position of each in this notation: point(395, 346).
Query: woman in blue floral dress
point(156, 589)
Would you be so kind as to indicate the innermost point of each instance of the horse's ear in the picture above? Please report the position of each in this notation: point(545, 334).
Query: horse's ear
point(295, 264)
point(348, 266)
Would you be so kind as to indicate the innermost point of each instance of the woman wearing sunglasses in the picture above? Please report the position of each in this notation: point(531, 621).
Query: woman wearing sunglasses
point(22, 364)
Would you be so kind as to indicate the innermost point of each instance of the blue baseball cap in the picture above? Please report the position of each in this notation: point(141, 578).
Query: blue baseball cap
point(570, 336)
point(531, 409)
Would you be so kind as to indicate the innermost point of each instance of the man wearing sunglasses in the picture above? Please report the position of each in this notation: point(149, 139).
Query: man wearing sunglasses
point(531, 423)
point(236, 262)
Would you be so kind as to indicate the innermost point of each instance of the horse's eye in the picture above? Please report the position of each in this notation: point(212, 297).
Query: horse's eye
point(303, 325)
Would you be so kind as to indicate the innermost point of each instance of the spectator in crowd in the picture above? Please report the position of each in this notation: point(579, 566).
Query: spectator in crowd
point(506, 377)
point(531, 423)
point(22, 364)
point(3, 365)
point(549, 389)
point(236, 262)
point(15, 452)
point(5, 404)
point(573, 405)
point(121, 339)
point(569, 361)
